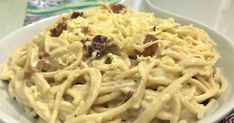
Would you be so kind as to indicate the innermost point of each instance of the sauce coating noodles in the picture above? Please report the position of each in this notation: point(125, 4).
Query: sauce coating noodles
point(115, 65)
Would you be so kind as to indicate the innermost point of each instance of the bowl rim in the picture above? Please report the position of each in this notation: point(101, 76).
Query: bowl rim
point(228, 108)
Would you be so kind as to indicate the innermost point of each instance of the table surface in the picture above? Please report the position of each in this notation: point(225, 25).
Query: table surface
point(12, 14)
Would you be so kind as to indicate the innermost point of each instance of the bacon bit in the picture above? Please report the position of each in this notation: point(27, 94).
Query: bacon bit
point(77, 14)
point(101, 45)
point(58, 29)
point(149, 38)
point(29, 73)
point(43, 65)
point(128, 95)
point(118, 8)
point(149, 51)
point(85, 30)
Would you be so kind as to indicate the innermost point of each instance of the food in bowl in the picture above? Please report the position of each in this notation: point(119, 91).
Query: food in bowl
point(114, 64)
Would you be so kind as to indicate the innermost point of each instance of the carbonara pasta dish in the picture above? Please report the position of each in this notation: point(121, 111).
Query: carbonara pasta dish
point(112, 64)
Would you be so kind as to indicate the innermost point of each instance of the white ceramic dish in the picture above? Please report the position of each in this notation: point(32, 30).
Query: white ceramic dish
point(11, 112)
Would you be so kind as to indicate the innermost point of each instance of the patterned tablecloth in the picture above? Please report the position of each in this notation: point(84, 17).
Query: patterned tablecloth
point(38, 9)
point(229, 118)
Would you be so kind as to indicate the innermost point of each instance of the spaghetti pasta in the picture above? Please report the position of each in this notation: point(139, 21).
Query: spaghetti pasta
point(114, 65)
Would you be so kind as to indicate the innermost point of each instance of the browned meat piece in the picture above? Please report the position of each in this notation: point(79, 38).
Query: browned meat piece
point(58, 29)
point(149, 51)
point(77, 14)
point(101, 45)
point(118, 8)
point(149, 38)
point(43, 65)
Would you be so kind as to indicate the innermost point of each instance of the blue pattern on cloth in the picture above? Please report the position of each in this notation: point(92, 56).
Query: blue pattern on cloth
point(229, 118)
point(45, 4)
point(38, 9)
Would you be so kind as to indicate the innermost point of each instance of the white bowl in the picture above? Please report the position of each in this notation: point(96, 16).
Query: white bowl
point(11, 112)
